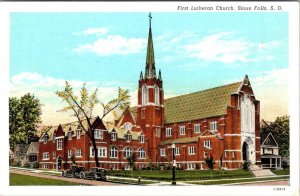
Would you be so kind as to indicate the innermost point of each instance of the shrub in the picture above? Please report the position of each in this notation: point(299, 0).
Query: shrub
point(246, 165)
point(210, 162)
point(284, 164)
point(27, 165)
point(35, 165)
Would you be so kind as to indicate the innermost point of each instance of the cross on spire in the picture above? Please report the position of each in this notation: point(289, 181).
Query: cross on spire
point(150, 17)
point(150, 62)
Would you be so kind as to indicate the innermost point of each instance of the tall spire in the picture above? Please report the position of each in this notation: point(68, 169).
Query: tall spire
point(150, 63)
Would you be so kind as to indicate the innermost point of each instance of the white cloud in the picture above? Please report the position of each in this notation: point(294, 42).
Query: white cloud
point(95, 31)
point(225, 47)
point(114, 44)
point(219, 48)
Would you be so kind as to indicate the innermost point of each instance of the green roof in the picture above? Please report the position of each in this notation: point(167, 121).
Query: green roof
point(199, 105)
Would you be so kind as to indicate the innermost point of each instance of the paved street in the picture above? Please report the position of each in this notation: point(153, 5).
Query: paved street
point(76, 180)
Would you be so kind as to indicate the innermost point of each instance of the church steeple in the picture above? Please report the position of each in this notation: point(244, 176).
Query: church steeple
point(150, 62)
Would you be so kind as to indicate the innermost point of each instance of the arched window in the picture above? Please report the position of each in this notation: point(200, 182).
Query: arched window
point(156, 95)
point(141, 153)
point(247, 114)
point(113, 152)
point(127, 126)
point(127, 152)
point(144, 95)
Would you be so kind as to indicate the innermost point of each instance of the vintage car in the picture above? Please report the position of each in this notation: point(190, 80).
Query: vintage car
point(74, 171)
point(95, 173)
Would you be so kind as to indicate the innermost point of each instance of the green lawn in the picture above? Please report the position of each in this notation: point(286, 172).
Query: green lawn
point(181, 175)
point(285, 171)
point(18, 179)
point(228, 181)
point(130, 181)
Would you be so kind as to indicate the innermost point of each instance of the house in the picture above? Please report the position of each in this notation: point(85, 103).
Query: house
point(20, 154)
point(221, 122)
point(270, 157)
point(32, 153)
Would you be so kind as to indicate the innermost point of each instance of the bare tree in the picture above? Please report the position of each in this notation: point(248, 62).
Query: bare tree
point(83, 107)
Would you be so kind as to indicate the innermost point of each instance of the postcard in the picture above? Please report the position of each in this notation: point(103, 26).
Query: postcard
point(150, 98)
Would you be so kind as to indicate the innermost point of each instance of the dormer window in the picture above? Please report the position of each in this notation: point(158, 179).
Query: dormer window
point(128, 137)
point(78, 133)
point(113, 136)
point(141, 138)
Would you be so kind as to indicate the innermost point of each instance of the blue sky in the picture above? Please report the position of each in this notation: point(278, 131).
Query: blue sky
point(195, 51)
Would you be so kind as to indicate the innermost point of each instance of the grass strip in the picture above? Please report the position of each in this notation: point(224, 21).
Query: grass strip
point(285, 171)
point(129, 181)
point(21, 180)
point(182, 175)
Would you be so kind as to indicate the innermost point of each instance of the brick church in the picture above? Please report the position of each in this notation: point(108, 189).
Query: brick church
point(222, 122)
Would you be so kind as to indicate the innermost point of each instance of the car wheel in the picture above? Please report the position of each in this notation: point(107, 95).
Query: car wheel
point(82, 175)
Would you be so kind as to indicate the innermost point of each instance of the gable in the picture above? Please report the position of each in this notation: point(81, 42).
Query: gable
point(269, 141)
point(98, 124)
point(127, 116)
point(199, 105)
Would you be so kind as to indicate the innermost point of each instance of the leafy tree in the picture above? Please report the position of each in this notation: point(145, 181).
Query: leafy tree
point(24, 116)
point(210, 163)
point(83, 107)
point(131, 160)
point(280, 129)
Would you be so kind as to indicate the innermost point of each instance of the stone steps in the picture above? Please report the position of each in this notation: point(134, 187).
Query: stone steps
point(259, 172)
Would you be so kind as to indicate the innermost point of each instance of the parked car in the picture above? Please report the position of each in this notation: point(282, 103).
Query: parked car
point(95, 173)
point(75, 171)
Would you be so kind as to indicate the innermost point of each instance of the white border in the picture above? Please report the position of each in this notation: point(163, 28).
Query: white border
point(8, 7)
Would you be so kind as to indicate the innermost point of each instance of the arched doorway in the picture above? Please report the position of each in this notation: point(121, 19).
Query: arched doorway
point(59, 163)
point(245, 152)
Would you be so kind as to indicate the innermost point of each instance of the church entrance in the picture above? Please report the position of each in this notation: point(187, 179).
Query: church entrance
point(245, 152)
point(59, 162)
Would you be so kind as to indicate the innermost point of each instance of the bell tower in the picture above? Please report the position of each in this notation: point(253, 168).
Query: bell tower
point(150, 109)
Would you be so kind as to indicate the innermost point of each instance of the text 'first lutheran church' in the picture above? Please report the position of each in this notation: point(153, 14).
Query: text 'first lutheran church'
point(221, 122)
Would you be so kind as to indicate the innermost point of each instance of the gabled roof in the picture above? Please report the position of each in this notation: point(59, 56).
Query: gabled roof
point(268, 139)
point(199, 105)
point(33, 147)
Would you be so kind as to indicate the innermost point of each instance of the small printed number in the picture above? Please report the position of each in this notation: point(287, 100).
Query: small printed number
point(278, 189)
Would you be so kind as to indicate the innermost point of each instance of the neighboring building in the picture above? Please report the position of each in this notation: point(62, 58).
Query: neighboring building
point(269, 152)
point(32, 153)
point(221, 122)
point(20, 154)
